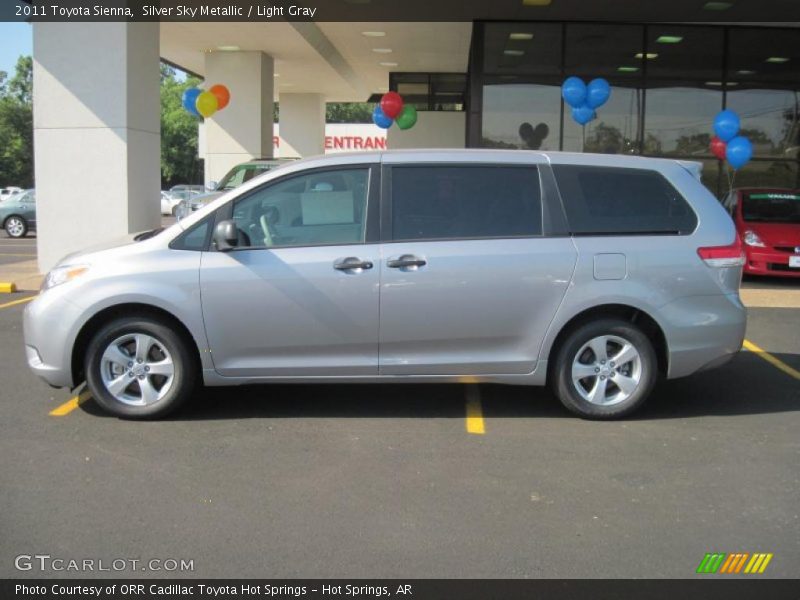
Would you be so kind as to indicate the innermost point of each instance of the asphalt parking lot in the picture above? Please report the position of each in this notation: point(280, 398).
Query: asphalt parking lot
point(419, 481)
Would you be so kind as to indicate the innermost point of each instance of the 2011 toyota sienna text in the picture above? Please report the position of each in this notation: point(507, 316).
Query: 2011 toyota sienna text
point(593, 274)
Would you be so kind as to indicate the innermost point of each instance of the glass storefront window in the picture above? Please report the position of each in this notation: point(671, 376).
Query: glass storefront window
point(770, 119)
point(685, 56)
point(523, 49)
point(616, 129)
point(758, 173)
point(605, 50)
point(521, 116)
point(678, 121)
point(761, 57)
point(668, 83)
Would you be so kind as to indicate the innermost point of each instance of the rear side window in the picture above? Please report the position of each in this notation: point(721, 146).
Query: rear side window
point(606, 201)
point(448, 202)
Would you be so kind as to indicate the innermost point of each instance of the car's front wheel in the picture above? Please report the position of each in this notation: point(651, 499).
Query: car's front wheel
point(605, 369)
point(16, 227)
point(139, 368)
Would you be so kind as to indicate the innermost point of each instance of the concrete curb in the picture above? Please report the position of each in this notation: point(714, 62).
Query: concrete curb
point(7, 287)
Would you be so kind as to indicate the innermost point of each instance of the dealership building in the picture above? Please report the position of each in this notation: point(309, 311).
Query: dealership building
point(489, 82)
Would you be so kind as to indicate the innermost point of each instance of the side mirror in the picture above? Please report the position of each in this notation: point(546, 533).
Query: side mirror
point(226, 236)
point(211, 186)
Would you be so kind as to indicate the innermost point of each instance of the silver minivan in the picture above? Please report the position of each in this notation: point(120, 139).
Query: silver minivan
point(594, 274)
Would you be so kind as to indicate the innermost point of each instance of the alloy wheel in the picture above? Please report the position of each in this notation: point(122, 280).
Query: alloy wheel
point(137, 369)
point(606, 370)
point(15, 227)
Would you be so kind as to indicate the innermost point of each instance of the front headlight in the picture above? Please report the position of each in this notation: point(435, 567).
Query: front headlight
point(751, 239)
point(63, 274)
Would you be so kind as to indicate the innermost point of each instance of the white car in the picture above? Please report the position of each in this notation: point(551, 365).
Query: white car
point(7, 192)
point(169, 203)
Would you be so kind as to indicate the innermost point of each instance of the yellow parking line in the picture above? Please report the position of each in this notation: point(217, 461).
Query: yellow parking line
point(71, 404)
point(15, 302)
point(775, 362)
point(474, 411)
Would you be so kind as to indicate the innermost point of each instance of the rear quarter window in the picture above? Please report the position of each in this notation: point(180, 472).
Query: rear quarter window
point(608, 201)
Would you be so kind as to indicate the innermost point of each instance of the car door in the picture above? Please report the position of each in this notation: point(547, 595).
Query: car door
point(469, 279)
point(299, 296)
point(27, 204)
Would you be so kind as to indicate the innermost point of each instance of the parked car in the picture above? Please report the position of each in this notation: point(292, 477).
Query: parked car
point(18, 214)
point(185, 192)
point(169, 203)
point(7, 192)
point(234, 178)
point(594, 274)
point(768, 221)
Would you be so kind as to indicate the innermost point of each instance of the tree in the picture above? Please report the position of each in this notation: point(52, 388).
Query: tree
point(348, 112)
point(605, 139)
point(16, 125)
point(179, 161)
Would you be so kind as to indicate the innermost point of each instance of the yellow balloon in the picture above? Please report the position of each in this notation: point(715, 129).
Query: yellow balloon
point(206, 104)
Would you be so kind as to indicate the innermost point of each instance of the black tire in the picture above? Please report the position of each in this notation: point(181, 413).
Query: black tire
point(185, 370)
point(18, 225)
point(646, 367)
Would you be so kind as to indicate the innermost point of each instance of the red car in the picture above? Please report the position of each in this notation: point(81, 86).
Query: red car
point(768, 222)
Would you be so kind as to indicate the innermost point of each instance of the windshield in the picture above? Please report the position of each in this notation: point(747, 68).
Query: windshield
point(772, 207)
point(240, 174)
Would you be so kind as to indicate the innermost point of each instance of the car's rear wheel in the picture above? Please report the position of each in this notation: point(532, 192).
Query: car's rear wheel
point(139, 368)
point(605, 369)
point(16, 227)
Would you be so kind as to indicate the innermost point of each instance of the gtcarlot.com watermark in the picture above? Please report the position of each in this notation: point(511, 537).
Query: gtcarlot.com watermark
point(46, 563)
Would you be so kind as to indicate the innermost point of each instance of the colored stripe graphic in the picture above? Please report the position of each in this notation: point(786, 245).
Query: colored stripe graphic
point(758, 564)
point(711, 562)
point(722, 562)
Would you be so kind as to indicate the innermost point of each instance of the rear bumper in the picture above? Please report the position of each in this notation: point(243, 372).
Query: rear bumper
point(769, 262)
point(703, 332)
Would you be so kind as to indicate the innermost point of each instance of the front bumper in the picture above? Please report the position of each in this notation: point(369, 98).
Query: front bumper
point(765, 261)
point(48, 326)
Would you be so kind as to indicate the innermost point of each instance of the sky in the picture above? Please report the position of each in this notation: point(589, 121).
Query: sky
point(15, 40)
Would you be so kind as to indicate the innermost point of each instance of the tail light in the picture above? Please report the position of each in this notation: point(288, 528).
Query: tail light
point(723, 256)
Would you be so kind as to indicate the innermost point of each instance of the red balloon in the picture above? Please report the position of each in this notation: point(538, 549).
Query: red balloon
point(718, 147)
point(392, 104)
point(222, 93)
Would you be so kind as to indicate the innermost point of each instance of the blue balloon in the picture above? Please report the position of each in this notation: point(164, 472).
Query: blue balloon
point(597, 93)
point(726, 125)
point(188, 100)
point(739, 152)
point(583, 114)
point(573, 90)
point(380, 119)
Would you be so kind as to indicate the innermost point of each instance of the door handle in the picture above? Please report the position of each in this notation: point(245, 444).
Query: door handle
point(351, 262)
point(407, 260)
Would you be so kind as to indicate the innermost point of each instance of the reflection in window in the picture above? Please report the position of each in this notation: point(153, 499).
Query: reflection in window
point(764, 174)
point(678, 121)
point(610, 51)
point(616, 129)
point(521, 116)
point(771, 119)
point(678, 55)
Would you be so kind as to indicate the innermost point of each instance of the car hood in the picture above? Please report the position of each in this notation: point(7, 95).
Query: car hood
point(775, 234)
point(118, 242)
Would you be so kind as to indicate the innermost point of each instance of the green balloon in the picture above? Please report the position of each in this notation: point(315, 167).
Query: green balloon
point(407, 118)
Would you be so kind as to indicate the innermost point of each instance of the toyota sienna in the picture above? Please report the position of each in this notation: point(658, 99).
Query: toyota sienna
point(594, 274)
